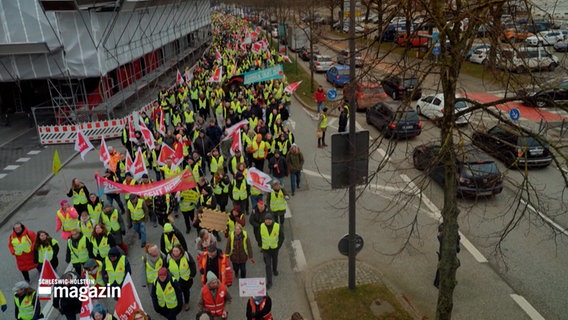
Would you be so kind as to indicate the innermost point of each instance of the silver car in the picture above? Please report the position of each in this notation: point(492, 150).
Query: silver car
point(322, 63)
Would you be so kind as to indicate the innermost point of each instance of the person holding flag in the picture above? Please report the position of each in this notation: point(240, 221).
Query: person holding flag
point(68, 306)
point(79, 193)
point(46, 248)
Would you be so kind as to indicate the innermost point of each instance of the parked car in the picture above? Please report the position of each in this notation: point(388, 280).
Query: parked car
point(525, 59)
point(547, 98)
point(480, 57)
point(367, 94)
point(343, 58)
point(394, 119)
point(416, 39)
point(432, 107)
point(322, 63)
point(391, 32)
point(358, 28)
point(477, 174)
point(400, 87)
point(304, 53)
point(545, 38)
point(338, 75)
point(513, 146)
point(483, 47)
point(561, 46)
point(514, 34)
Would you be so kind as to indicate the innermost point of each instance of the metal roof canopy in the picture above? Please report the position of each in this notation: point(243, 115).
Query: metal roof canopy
point(8, 49)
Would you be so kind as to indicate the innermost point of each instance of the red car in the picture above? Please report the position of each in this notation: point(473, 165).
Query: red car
point(367, 94)
point(417, 39)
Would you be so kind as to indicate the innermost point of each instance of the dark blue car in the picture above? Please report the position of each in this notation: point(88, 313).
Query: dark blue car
point(338, 75)
point(393, 119)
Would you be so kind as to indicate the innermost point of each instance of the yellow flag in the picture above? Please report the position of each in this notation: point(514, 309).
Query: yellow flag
point(56, 163)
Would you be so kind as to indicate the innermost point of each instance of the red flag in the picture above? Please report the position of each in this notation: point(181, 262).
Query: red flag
point(188, 75)
point(86, 306)
point(161, 123)
point(286, 58)
point(257, 29)
point(46, 278)
point(265, 43)
point(82, 143)
point(131, 132)
point(104, 155)
point(282, 50)
point(178, 155)
point(258, 179)
point(218, 56)
point(256, 47)
point(179, 78)
point(243, 47)
point(138, 168)
point(217, 75)
point(128, 301)
point(128, 161)
point(230, 132)
point(237, 143)
point(147, 135)
point(292, 87)
point(168, 152)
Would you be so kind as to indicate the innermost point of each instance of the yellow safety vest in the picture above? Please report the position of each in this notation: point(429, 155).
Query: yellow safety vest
point(116, 275)
point(269, 241)
point(87, 229)
point(170, 172)
point(26, 307)
point(131, 183)
point(102, 248)
point(277, 201)
point(232, 239)
point(95, 212)
point(179, 269)
point(79, 197)
point(167, 297)
point(79, 254)
point(220, 187)
point(97, 279)
point(216, 163)
point(189, 117)
point(170, 245)
point(67, 222)
point(22, 246)
point(152, 273)
point(255, 191)
point(186, 204)
point(259, 149)
point(136, 213)
point(46, 251)
point(111, 222)
point(235, 161)
point(323, 122)
point(239, 193)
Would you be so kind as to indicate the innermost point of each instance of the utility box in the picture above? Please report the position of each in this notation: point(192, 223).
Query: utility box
point(342, 174)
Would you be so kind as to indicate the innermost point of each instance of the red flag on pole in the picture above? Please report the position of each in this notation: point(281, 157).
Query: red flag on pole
point(286, 58)
point(218, 56)
point(168, 152)
point(138, 168)
point(234, 128)
point(131, 132)
point(237, 143)
point(292, 87)
point(46, 279)
point(82, 143)
point(259, 179)
point(128, 161)
point(179, 78)
point(86, 306)
point(104, 155)
point(217, 75)
point(161, 123)
point(128, 301)
point(147, 135)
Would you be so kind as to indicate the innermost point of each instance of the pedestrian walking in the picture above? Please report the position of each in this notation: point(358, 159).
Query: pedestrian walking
point(343, 119)
point(46, 248)
point(94, 208)
point(115, 226)
point(322, 127)
point(66, 219)
point(137, 212)
point(68, 306)
point(21, 245)
point(113, 196)
point(295, 159)
point(220, 184)
point(86, 225)
point(240, 191)
point(115, 268)
point(277, 202)
point(93, 271)
point(239, 250)
point(170, 237)
point(183, 269)
point(101, 242)
point(139, 315)
point(216, 261)
point(79, 250)
point(257, 218)
point(319, 98)
point(187, 204)
point(153, 260)
point(205, 239)
point(215, 298)
point(26, 303)
point(79, 193)
point(272, 238)
point(167, 296)
point(3, 303)
point(278, 167)
point(259, 308)
point(100, 312)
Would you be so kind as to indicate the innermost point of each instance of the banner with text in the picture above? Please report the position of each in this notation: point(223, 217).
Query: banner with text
point(183, 181)
point(271, 73)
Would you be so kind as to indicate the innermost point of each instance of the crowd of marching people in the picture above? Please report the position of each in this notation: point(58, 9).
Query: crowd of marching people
point(222, 131)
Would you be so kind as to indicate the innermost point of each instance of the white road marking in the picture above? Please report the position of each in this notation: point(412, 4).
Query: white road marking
point(316, 174)
point(288, 213)
point(2, 175)
point(34, 152)
point(23, 160)
point(301, 262)
point(436, 214)
point(292, 124)
point(545, 218)
point(526, 306)
point(11, 167)
point(332, 122)
point(383, 154)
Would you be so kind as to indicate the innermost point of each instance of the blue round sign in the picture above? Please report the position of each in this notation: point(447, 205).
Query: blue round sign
point(436, 50)
point(514, 114)
point(332, 94)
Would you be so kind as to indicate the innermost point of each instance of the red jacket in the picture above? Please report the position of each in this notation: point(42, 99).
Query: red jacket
point(216, 306)
point(225, 272)
point(24, 260)
point(319, 96)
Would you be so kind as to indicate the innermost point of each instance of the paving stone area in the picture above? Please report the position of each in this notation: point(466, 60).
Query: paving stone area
point(335, 274)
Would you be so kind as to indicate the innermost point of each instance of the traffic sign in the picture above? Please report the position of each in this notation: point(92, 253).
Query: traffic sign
point(436, 50)
point(343, 245)
point(332, 94)
point(515, 114)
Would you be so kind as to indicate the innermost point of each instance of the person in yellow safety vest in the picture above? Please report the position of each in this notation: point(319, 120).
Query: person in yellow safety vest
point(176, 118)
point(128, 181)
point(217, 161)
point(66, 219)
point(202, 106)
point(86, 225)
point(102, 242)
point(258, 150)
point(236, 216)
point(153, 260)
point(239, 250)
point(216, 261)
point(46, 247)
point(137, 212)
point(271, 238)
point(322, 127)
point(94, 208)
point(240, 191)
point(215, 298)
point(93, 270)
point(220, 183)
point(169, 170)
point(79, 193)
point(187, 204)
point(115, 226)
point(235, 160)
point(79, 250)
point(183, 269)
point(26, 303)
point(21, 244)
point(3, 303)
point(115, 268)
point(259, 308)
point(166, 295)
point(171, 237)
point(277, 202)
point(188, 117)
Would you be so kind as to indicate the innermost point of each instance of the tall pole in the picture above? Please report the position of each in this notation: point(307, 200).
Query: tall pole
point(353, 151)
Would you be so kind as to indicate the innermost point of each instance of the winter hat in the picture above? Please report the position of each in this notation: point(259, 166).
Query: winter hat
point(168, 227)
point(89, 264)
point(163, 272)
point(114, 252)
point(269, 216)
point(210, 276)
point(237, 208)
point(21, 285)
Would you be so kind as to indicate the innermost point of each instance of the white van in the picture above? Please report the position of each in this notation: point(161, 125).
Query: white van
point(527, 59)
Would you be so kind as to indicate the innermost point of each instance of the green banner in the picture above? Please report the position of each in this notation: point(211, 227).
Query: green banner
point(271, 73)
